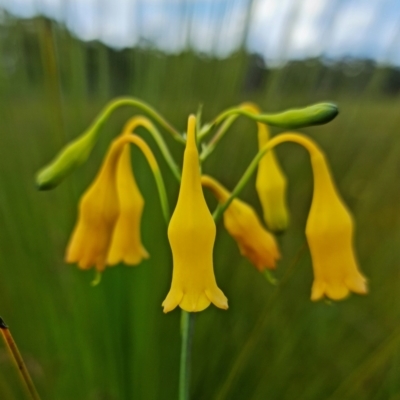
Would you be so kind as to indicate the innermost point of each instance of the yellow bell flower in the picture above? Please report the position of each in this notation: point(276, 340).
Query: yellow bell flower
point(191, 234)
point(243, 224)
point(329, 234)
point(126, 245)
point(271, 182)
point(329, 231)
point(98, 214)
point(271, 186)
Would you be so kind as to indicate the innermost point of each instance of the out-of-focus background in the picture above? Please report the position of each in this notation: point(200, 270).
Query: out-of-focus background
point(62, 60)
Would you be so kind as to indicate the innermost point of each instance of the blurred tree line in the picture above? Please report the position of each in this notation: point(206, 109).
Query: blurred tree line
point(31, 48)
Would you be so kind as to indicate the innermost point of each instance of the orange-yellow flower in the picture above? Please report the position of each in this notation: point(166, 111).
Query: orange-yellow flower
point(243, 224)
point(126, 245)
point(191, 234)
point(98, 214)
point(329, 233)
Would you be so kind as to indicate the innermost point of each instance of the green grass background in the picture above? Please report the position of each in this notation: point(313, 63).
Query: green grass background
point(113, 341)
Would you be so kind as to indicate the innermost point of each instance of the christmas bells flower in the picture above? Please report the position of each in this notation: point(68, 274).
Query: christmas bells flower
point(329, 231)
point(271, 186)
point(271, 182)
point(126, 245)
point(108, 227)
point(243, 224)
point(191, 234)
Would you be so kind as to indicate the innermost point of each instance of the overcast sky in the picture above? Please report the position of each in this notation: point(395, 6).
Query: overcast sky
point(278, 29)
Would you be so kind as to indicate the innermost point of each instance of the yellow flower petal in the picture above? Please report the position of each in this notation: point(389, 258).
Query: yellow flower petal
point(191, 234)
point(98, 213)
point(243, 224)
point(271, 186)
point(271, 182)
point(126, 245)
point(329, 234)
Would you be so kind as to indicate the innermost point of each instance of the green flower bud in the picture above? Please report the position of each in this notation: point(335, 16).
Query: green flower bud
point(70, 157)
point(317, 114)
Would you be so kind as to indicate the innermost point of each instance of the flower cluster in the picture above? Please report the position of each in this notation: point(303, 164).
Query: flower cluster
point(108, 228)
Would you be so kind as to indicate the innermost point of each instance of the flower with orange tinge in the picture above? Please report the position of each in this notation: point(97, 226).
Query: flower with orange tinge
point(329, 234)
point(191, 234)
point(126, 245)
point(243, 224)
point(98, 214)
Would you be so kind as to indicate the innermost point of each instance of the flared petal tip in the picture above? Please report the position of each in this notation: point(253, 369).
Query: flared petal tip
point(195, 302)
point(171, 301)
point(339, 290)
point(217, 297)
point(132, 259)
point(357, 284)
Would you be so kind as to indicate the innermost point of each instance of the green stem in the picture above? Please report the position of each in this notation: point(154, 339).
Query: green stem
point(19, 362)
point(285, 137)
point(217, 137)
point(164, 151)
point(139, 142)
point(162, 194)
point(127, 101)
point(241, 184)
point(187, 325)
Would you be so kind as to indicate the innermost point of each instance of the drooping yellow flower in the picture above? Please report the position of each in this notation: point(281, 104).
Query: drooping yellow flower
point(271, 186)
point(191, 234)
point(98, 214)
point(271, 182)
point(329, 233)
point(126, 245)
point(243, 224)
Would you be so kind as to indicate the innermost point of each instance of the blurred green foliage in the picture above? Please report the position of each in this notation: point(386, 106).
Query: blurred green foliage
point(113, 341)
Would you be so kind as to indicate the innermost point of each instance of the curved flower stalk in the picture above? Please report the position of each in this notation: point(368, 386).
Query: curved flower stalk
point(329, 231)
point(191, 233)
point(243, 224)
point(76, 152)
point(140, 120)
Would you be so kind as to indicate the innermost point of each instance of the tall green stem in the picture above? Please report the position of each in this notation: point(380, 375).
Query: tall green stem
point(187, 325)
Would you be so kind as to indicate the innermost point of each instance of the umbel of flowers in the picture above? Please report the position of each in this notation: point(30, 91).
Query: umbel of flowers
point(108, 227)
point(107, 231)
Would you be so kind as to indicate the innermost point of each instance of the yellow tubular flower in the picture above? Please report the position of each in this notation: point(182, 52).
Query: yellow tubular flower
point(191, 234)
point(98, 214)
point(329, 231)
point(271, 182)
point(126, 243)
point(271, 186)
point(242, 223)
